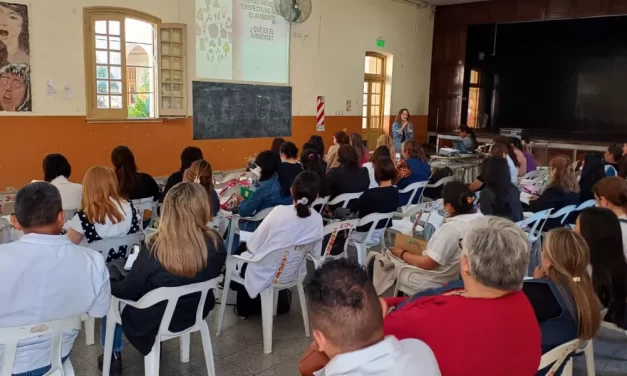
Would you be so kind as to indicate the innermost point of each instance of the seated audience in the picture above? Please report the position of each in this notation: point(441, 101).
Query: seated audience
point(499, 197)
point(611, 193)
point(57, 171)
point(347, 320)
point(182, 252)
point(411, 169)
point(267, 193)
point(276, 145)
point(443, 249)
point(385, 140)
point(289, 167)
point(104, 213)
point(348, 177)
point(189, 155)
point(363, 155)
point(380, 152)
point(133, 185)
point(45, 277)
point(561, 293)
point(601, 230)
point(311, 161)
point(494, 260)
point(286, 226)
point(612, 155)
point(381, 199)
point(516, 144)
point(200, 172)
point(563, 190)
point(591, 172)
point(468, 137)
point(622, 167)
point(510, 151)
point(501, 150)
point(332, 158)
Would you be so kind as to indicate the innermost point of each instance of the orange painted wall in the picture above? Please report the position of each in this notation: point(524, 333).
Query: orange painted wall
point(157, 146)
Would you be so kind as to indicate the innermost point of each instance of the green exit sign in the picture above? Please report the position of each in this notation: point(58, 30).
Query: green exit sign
point(380, 43)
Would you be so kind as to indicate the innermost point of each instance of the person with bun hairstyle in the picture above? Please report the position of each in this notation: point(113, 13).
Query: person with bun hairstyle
point(561, 293)
point(200, 172)
point(339, 138)
point(443, 247)
point(286, 226)
point(601, 230)
point(290, 167)
point(311, 161)
point(611, 193)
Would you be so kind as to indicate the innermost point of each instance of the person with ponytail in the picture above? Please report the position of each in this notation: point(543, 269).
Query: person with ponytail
point(133, 185)
point(311, 161)
point(286, 226)
point(443, 248)
point(611, 193)
point(561, 292)
point(200, 172)
point(563, 190)
point(601, 230)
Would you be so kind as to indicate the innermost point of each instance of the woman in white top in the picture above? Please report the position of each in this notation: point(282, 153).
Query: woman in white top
point(443, 249)
point(57, 171)
point(286, 226)
point(104, 214)
point(381, 151)
point(611, 193)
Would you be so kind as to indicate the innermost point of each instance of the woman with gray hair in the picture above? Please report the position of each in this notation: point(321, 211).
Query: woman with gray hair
point(486, 325)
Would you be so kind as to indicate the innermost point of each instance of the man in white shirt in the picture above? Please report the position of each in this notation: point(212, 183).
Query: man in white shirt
point(57, 171)
point(347, 318)
point(46, 277)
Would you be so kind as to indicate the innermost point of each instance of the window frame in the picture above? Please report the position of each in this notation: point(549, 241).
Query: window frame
point(93, 113)
point(473, 119)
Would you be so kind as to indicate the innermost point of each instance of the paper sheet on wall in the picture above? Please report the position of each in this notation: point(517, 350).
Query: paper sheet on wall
point(67, 92)
point(51, 90)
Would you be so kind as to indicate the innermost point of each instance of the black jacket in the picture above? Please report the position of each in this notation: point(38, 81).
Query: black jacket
point(553, 198)
point(141, 325)
point(512, 210)
point(343, 180)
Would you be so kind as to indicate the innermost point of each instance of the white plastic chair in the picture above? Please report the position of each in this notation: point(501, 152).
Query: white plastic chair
point(404, 225)
point(144, 204)
point(319, 204)
point(533, 227)
point(9, 337)
point(558, 355)
point(171, 295)
point(439, 183)
point(413, 188)
point(563, 213)
point(432, 278)
point(289, 264)
point(588, 353)
point(585, 205)
point(318, 256)
point(234, 226)
point(371, 220)
point(344, 199)
point(105, 246)
point(5, 231)
point(69, 214)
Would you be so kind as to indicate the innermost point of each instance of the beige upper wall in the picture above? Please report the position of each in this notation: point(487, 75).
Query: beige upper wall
point(327, 51)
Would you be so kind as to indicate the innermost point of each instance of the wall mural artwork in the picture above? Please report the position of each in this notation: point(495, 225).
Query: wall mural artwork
point(15, 84)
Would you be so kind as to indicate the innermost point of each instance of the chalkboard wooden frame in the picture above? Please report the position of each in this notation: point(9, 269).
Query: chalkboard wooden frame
point(230, 111)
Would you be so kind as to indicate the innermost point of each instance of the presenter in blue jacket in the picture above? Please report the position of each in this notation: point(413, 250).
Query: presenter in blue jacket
point(402, 129)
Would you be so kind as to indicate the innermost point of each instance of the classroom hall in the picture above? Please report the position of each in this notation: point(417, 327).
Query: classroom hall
point(229, 78)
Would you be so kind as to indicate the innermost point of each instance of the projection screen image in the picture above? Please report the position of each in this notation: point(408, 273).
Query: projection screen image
point(241, 40)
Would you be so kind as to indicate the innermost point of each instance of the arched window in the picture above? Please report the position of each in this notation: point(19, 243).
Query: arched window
point(135, 65)
point(373, 104)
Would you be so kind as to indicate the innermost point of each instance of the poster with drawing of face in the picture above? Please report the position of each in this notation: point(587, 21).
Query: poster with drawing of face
point(15, 85)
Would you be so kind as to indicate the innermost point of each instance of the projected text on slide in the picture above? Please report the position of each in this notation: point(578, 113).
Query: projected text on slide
point(243, 40)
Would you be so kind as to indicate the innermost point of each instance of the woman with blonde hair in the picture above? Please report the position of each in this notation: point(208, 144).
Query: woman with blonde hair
point(200, 172)
point(563, 190)
point(385, 140)
point(562, 294)
point(104, 214)
point(183, 251)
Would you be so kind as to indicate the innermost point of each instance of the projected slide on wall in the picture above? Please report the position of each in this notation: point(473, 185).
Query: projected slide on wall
point(243, 40)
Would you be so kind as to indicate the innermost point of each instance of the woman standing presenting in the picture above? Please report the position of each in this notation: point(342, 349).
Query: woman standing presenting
point(402, 129)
